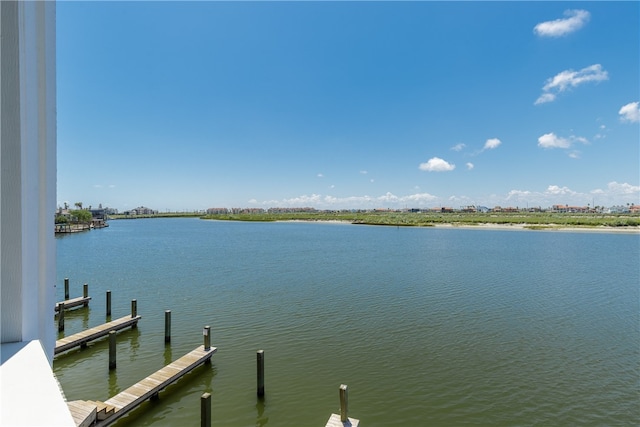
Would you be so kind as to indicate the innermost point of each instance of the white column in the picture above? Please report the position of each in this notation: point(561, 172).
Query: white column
point(28, 172)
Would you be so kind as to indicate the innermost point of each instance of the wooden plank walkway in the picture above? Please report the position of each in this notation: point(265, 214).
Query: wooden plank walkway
point(127, 400)
point(83, 413)
point(334, 421)
point(73, 302)
point(82, 338)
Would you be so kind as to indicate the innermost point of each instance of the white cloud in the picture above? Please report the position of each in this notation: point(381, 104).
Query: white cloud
point(551, 140)
point(574, 154)
point(624, 188)
point(569, 79)
point(364, 172)
point(630, 112)
point(518, 194)
point(469, 165)
point(544, 98)
point(575, 19)
point(436, 164)
point(491, 144)
point(320, 175)
point(371, 180)
point(555, 190)
point(458, 147)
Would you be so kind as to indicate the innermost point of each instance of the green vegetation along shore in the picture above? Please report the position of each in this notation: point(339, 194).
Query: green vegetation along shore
point(531, 220)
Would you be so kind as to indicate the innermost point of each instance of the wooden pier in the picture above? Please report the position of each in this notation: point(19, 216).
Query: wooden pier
point(343, 419)
point(334, 421)
point(73, 302)
point(82, 338)
point(86, 413)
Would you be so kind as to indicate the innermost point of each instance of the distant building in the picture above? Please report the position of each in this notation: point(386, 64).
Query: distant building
point(247, 211)
point(290, 210)
point(141, 210)
point(217, 211)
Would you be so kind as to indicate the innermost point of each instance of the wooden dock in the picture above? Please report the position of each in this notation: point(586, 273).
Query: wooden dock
point(82, 338)
point(334, 421)
point(73, 302)
point(107, 412)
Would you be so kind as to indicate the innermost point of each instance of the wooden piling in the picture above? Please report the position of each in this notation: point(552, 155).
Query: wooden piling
point(112, 350)
point(206, 332)
point(85, 294)
point(205, 410)
point(167, 326)
point(66, 288)
point(260, 366)
point(60, 316)
point(108, 303)
point(134, 308)
point(343, 403)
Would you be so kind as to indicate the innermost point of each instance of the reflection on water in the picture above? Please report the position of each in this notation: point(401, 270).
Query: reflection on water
point(113, 382)
point(261, 419)
point(168, 358)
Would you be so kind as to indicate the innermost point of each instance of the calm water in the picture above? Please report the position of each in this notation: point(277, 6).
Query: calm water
point(426, 326)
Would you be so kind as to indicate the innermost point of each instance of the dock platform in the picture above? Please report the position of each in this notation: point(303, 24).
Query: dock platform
point(107, 412)
point(334, 421)
point(73, 302)
point(82, 338)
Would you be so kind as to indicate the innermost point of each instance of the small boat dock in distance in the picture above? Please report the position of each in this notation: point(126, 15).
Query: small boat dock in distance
point(86, 413)
point(82, 338)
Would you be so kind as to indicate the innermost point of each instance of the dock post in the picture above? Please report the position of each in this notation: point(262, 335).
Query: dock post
point(60, 316)
point(343, 403)
point(85, 293)
point(260, 366)
point(66, 288)
point(207, 337)
point(112, 350)
point(134, 312)
point(205, 410)
point(108, 303)
point(167, 326)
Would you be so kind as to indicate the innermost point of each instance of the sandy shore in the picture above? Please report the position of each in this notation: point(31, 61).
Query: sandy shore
point(534, 227)
point(506, 227)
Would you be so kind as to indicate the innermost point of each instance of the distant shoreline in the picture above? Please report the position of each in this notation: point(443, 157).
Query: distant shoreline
point(490, 226)
point(523, 221)
point(551, 227)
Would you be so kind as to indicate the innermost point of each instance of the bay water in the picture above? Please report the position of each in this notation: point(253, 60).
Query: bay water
point(426, 326)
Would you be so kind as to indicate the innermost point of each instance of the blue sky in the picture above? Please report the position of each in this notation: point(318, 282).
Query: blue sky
point(192, 105)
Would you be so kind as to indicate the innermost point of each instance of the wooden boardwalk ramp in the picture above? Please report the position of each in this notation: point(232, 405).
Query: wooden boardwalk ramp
point(107, 412)
point(82, 338)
